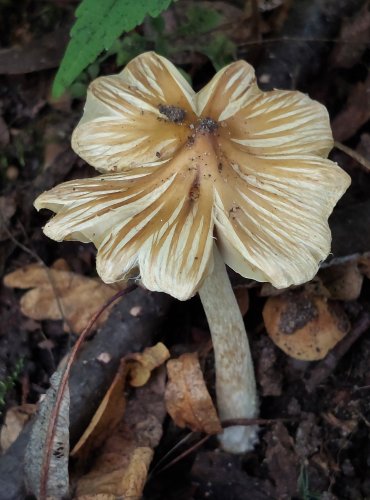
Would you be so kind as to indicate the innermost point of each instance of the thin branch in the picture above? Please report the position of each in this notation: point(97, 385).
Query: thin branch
point(200, 442)
point(185, 453)
point(325, 367)
point(182, 441)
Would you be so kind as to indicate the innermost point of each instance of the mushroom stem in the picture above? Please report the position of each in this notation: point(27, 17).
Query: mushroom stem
point(235, 381)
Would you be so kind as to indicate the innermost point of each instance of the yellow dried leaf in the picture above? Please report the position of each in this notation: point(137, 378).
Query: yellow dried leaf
point(79, 296)
point(187, 398)
point(304, 326)
point(125, 481)
point(142, 364)
point(122, 464)
point(111, 410)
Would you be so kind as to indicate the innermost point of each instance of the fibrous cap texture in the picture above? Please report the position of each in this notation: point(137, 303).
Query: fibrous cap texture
point(230, 166)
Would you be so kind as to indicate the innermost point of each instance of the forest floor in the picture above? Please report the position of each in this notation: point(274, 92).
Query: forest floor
point(314, 443)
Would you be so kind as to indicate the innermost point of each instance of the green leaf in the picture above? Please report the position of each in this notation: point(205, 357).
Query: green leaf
point(99, 23)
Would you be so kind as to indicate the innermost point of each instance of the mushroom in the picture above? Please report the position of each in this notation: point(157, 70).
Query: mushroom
point(192, 181)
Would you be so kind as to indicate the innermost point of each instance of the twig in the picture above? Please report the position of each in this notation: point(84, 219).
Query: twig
point(325, 367)
point(353, 154)
point(62, 386)
point(185, 453)
point(224, 424)
point(182, 441)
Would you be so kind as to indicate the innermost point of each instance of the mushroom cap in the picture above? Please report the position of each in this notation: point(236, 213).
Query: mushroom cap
point(230, 165)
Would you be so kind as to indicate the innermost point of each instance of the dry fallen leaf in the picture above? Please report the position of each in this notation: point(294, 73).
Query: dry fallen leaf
point(80, 297)
point(121, 468)
point(304, 326)
point(112, 408)
point(129, 480)
point(142, 364)
point(187, 398)
point(15, 419)
point(126, 436)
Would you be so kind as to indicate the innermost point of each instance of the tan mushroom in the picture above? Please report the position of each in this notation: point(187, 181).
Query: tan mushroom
point(192, 181)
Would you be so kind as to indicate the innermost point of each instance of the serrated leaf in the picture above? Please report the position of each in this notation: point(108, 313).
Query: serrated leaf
point(97, 26)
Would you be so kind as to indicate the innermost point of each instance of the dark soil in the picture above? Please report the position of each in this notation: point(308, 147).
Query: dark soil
point(318, 443)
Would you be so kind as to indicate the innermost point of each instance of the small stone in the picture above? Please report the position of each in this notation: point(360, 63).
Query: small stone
point(104, 358)
point(135, 311)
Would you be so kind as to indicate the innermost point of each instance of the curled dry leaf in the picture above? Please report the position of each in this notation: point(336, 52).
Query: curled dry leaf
point(15, 419)
point(304, 326)
point(187, 398)
point(130, 480)
point(112, 408)
point(79, 296)
point(107, 417)
point(121, 467)
point(142, 364)
point(125, 433)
